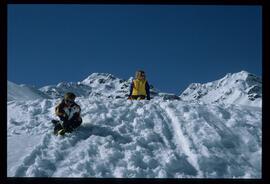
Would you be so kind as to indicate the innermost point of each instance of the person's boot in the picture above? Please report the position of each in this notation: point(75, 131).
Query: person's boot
point(57, 127)
point(61, 132)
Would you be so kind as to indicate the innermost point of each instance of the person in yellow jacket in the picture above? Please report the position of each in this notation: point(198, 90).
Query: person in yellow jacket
point(139, 88)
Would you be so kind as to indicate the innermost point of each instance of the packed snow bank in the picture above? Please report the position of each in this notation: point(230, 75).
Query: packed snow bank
point(145, 139)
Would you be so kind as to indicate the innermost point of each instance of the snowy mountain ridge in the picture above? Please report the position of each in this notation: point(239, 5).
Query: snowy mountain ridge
point(23, 92)
point(120, 138)
point(97, 84)
point(241, 88)
point(100, 84)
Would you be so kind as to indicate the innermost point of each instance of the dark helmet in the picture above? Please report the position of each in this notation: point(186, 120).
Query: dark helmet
point(69, 96)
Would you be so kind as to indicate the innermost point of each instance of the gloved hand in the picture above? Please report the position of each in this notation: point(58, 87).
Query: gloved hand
point(63, 118)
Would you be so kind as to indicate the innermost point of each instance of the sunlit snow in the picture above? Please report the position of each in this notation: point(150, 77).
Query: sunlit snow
point(166, 137)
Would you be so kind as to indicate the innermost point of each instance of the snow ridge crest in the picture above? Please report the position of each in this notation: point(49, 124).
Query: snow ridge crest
point(241, 88)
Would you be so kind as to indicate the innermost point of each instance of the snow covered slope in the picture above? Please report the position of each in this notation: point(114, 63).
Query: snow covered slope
point(151, 139)
point(239, 88)
point(165, 137)
point(23, 92)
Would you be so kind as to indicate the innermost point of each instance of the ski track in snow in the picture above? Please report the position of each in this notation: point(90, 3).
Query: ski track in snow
point(182, 138)
point(140, 139)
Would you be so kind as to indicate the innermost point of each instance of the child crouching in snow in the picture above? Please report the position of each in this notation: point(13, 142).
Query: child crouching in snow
point(69, 113)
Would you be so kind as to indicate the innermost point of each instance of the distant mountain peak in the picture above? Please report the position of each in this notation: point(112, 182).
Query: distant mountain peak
point(240, 88)
point(99, 77)
point(96, 84)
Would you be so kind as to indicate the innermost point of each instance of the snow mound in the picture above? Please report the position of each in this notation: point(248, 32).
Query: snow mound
point(136, 139)
point(241, 88)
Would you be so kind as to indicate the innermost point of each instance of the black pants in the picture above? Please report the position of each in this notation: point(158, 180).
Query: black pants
point(70, 125)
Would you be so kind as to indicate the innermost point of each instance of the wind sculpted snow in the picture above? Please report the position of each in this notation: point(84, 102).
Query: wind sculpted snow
point(136, 139)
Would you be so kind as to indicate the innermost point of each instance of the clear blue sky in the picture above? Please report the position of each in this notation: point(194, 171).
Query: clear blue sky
point(175, 44)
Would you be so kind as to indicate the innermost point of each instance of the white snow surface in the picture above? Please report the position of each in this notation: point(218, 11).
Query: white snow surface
point(23, 92)
point(165, 137)
point(239, 88)
point(136, 139)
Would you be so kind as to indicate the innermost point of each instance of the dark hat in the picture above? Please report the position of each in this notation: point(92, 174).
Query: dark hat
point(69, 96)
